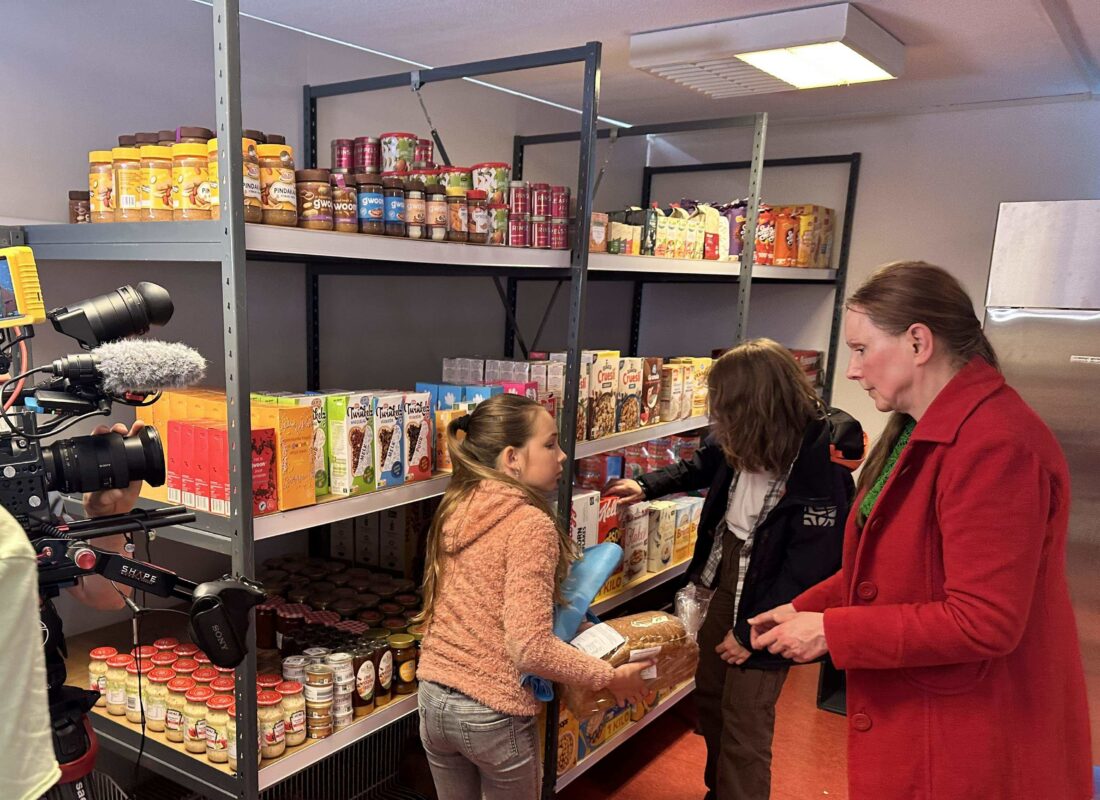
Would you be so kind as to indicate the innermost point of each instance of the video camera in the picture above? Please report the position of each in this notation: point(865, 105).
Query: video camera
point(116, 369)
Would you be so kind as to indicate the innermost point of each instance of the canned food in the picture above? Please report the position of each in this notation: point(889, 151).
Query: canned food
point(342, 153)
point(425, 151)
point(540, 233)
point(493, 178)
point(519, 197)
point(450, 177)
point(559, 234)
point(398, 151)
point(366, 156)
point(498, 235)
point(540, 199)
point(559, 201)
point(518, 231)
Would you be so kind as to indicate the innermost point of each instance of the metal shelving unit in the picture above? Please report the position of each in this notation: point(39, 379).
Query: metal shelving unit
point(229, 243)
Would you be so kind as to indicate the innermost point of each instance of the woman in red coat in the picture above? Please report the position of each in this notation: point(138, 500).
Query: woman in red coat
point(951, 612)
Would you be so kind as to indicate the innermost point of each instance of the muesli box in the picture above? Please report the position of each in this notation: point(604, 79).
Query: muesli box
point(603, 386)
point(419, 443)
point(628, 399)
point(651, 391)
point(389, 439)
point(351, 442)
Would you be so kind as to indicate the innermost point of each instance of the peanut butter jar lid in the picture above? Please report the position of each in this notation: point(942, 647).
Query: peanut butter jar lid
point(274, 138)
point(85, 196)
point(146, 137)
point(166, 136)
point(274, 150)
point(255, 135)
point(320, 175)
point(127, 140)
point(155, 151)
point(189, 149)
point(195, 133)
point(125, 153)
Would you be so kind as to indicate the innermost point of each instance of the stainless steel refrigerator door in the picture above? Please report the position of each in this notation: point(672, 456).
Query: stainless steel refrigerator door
point(1052, 358)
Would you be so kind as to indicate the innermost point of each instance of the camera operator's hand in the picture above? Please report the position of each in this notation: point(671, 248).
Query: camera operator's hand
point(106, 502)
point(95, 590)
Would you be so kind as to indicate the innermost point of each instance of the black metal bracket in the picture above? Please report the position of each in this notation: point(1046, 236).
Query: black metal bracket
point(546, 314)
point(511, 327)
point(636, 318)
point(309, 127)
point(313, 328)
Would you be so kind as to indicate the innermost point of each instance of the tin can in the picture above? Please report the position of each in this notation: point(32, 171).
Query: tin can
point(519, 230)
point(342, 152)
point(493, 178)
point(425, 151)
point(559, 233)
point(540, 199)
point(559, 201)
point(367, 155)
point(398, 151)
point(519, 197)
point(540, 232)
point(498, 235)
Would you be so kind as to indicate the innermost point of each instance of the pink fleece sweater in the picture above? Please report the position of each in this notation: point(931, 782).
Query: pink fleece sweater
point(493, 617)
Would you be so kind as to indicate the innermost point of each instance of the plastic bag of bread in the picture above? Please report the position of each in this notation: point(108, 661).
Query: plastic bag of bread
point(649, 636)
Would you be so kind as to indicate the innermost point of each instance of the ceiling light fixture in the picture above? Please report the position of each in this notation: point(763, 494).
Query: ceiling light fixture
point(832, 45)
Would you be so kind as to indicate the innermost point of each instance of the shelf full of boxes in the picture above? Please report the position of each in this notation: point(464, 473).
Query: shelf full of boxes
point(373, 479)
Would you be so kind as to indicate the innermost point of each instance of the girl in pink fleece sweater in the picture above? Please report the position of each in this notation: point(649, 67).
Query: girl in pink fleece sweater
point(495, 562)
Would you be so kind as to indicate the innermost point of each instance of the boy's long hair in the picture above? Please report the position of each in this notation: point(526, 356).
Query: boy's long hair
point(504, 420)
point(760, 404)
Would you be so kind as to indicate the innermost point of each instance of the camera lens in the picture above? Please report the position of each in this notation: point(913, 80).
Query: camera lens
point(111, 461)
point(127, 311)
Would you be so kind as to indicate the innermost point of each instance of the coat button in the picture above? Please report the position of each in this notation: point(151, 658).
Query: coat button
point(861, 722)
point(866, 590)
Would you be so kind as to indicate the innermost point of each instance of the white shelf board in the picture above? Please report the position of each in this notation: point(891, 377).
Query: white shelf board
point(651, 581)
point(618, 440)
point(635, 728)
point(298, 759)
point(334, 509)
point(603, 262)
point(276, 240)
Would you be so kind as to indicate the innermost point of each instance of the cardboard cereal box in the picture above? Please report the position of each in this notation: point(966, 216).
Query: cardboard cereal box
point(634, 527)
point(352, 468)
point(651, 391)
point(610, 530)
point(419, 444)
point(628, 398)
point(294, 460)
point(442, 420)
point(662, 535)
point(603, 385)
point(584, 518)
point(681, 548)
point(319, 448)
point(389, 450)
point(672, 391)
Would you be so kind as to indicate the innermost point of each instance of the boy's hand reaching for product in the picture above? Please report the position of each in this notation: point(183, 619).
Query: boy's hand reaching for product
point(628, 490)
point(627, 683)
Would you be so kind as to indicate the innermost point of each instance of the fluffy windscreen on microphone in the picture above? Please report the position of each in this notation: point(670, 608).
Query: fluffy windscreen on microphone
point(148, 365)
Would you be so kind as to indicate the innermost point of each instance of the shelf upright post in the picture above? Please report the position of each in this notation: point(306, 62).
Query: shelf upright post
point(748, 249)
point(578, 287)
point(841, 278)
point(227, 84)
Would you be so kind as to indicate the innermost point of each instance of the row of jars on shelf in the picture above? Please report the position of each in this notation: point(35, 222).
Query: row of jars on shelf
point(318, 692)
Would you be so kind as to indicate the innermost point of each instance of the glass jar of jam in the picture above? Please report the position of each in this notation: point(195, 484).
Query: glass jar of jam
point(265, 625)
point(404, 663)
point(457, 217)
point(288, 619)
point(217, 728)
point(178, 688)
point(294, 711)
point(372, 206)
point(477, 217)
point(97, 672)
point(363, 664)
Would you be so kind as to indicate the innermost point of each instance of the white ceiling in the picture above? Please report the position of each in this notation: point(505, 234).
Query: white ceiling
point(958, 52)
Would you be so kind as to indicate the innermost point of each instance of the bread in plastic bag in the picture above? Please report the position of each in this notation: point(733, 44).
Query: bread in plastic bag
point(649, 636)
point(692, 603)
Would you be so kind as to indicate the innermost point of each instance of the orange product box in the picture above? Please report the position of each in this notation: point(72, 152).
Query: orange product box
point(178, 404)
point(787, 229)
point(218, 470)
point(201, 465)
point(265, 484)
point(213, 405)
point(293, 426)
point(187, 462)
point(174, 480)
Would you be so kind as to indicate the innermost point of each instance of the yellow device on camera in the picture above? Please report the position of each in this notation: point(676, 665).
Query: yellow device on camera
point(20, 291)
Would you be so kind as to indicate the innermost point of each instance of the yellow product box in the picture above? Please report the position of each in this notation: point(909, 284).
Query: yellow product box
point(442, 420)
point(596, 731)
point(213, 405)
point(639, 710)
point(681, 549)
point(293, 426)
point(664, 246)
point(318, 406)
point(569, 735)
point(662, 534)
point(620, 238)
point(179, 404)
point(696, 236)
point(156, 416)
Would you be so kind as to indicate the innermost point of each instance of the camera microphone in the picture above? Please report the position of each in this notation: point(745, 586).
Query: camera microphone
point(134, 365)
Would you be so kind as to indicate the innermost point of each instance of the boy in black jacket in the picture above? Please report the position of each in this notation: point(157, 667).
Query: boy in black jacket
point(778, 466)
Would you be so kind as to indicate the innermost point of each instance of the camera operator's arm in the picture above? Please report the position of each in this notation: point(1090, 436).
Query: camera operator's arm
point(95, 590)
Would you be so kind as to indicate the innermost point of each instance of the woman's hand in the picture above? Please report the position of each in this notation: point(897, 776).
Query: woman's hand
point(801, 638)
point(627, 490)
point(762, 623)
point(731, 650)
point(627, 684)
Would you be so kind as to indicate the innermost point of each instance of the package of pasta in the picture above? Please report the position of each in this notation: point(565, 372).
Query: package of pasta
point(650, 636)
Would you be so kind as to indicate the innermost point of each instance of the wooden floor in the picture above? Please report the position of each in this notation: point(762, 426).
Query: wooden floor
point(665, 761)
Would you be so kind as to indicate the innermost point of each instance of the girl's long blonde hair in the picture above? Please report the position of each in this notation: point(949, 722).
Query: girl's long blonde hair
point(504, 420)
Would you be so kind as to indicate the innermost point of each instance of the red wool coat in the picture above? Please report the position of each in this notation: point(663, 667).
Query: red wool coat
point(952, 616)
